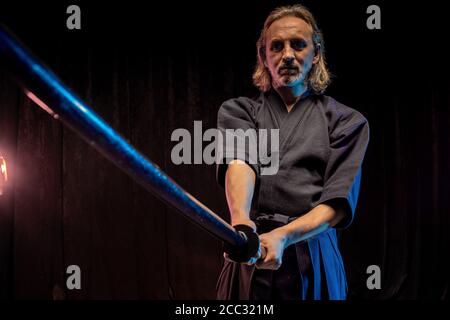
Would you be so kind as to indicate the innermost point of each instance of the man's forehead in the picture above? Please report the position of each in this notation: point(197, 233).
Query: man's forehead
point(288, 27)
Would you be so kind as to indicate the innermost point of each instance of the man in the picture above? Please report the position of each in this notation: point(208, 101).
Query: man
point(322, 145)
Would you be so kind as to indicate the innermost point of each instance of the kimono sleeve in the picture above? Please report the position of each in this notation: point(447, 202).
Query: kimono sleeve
point(348, 142)
point(237, 127)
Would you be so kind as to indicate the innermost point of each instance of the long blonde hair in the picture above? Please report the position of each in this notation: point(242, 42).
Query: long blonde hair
point(318, 77)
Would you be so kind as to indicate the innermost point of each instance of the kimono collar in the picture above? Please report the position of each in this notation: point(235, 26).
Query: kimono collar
point(276, 101)
point(287, 122)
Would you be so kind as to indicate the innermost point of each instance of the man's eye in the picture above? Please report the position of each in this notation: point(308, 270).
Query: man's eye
point(298, 44)
point(276, 46)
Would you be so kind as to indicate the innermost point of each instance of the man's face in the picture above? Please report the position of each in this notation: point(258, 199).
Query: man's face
point(289, 52)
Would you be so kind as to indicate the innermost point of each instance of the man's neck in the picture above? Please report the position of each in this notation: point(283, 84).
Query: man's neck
point(290, 95)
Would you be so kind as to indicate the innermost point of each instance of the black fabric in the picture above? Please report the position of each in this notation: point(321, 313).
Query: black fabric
point(321, 149)
point(292, 281)
point(284, 283)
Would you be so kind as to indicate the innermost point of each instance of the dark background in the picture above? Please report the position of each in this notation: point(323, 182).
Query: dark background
point(150, 68)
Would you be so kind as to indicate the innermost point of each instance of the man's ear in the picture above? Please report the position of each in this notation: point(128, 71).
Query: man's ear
point(317, 53)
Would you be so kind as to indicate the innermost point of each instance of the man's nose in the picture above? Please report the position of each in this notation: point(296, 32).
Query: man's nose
point(288, 55)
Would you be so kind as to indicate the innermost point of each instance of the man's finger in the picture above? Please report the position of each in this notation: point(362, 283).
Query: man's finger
point(263, 253)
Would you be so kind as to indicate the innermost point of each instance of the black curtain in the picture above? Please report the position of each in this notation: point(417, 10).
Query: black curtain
point(150, 69)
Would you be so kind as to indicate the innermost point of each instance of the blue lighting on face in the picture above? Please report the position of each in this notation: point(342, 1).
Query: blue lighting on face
point(73, 112)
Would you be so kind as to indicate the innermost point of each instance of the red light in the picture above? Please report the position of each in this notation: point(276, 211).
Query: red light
point(40, 103)
point(3, 174)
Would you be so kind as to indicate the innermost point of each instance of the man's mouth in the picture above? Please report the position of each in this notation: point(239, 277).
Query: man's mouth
point(288, 71)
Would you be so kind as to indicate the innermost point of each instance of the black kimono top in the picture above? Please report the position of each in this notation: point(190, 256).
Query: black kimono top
point(321, 149)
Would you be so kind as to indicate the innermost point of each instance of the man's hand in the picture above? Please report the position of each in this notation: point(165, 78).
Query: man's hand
point(316, 221)
point(251, 224)
point(274, 242)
